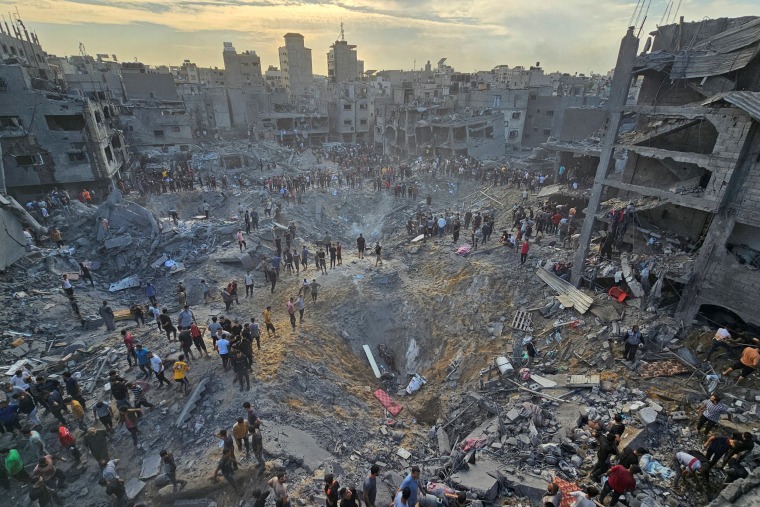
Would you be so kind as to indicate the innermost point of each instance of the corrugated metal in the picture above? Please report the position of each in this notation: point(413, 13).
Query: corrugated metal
point(746, 101)
point(726, 52)
point(692, 64)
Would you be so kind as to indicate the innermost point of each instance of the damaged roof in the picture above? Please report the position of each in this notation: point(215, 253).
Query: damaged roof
point(748, 102)
point(725, 52)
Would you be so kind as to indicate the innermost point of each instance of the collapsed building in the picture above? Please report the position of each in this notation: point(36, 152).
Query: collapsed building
point(694, 150)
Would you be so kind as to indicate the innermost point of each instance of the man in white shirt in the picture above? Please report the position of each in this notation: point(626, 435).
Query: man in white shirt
point(720, 341)
point(584, 498)
point(248, 284)
point(686, 463)
point(157, 365)
point(21, 379)
point(223, 347)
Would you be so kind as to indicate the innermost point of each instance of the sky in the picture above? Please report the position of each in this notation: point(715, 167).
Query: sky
point(567, 35)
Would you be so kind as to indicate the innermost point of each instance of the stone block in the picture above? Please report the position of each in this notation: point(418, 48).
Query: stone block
point(134, 487)
point(647, 415)
point(247, 262)
point(294, 443)
point(151, 466)
point(478, 479)
point(118, 241)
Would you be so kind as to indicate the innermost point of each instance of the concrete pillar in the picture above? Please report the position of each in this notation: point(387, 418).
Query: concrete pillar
point(621, 83)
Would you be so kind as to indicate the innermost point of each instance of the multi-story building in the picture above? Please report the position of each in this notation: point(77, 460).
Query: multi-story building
point(694, 151)
point(349, 113)
point(342, 64)
point(243, 69)
point(296, 66)
point(51, 139)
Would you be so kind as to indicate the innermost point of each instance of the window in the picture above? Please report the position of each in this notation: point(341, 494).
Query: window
point(363, 122)
point(516, 115)
point(513, 133)
point(68, 122)
point(24, 160)
point(77, 156)
point(363, 105)
point(547, 132)
point(532, 97)
point(158, 133)
point(346, 107)
point(109, 154)
point(347, 122)
point(550, 113)
point(10, 122)
point(175, 129)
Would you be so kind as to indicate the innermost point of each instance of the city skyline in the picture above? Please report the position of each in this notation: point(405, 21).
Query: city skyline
point(579, 36)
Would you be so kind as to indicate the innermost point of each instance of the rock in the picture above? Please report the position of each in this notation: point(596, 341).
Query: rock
point(513, 414)
point(478, 479)
point(151, 466)
point(134, 487)
point(296, 444)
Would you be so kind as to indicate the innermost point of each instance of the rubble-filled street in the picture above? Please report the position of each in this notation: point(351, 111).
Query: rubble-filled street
point(445, 328)
point(238, 287)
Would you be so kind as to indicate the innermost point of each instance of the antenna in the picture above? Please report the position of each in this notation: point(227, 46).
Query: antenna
point(342, 34)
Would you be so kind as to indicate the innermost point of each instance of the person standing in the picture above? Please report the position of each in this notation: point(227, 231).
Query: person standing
point(361, 244)
point(143, 361)
point(711, 415)
point(378, 250)
point(331, 489)
point(304, 257)
point(632, 343)
point(248, 284)
point(170, 470)
point(524, 251)
point(150, 292)
point(138, 394)
point(241, 240)
point(370, 486)
point(157, 365)
point(186, 343)
point(84, 271)
point(412, 481)
point(185, 318)
point(241, 368)
point(107, 315)
point(240, 433)
point(180, 369)
point(167, 325)
point(301, 306)
point(278, 485)
point(339, 253)
point(257, 442)
point(102, 412)
point(291, 309)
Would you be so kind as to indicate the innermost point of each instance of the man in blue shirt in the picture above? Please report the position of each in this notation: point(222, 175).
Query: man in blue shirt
point(412, 482)
point(143, 361)
point(223, 347)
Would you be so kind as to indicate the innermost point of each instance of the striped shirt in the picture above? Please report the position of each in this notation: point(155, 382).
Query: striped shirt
point(714, 410)
point(137, 392)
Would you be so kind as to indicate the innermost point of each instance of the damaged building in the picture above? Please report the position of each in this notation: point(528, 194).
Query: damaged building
point(51, 139)
point(694, 150)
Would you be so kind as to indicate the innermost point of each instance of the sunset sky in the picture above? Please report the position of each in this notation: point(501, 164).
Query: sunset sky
point(566, 35)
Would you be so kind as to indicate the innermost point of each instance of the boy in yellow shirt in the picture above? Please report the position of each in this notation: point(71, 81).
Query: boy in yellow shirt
point(77, 412)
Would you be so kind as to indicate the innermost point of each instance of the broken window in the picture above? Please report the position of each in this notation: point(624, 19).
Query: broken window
point(77, 157)
point(346, 107)
point(175, 129)
point(514, 133)
point(10, 122)
point(109, 154)
point(363, 106)
point(347, 122)
point(549, 113)
point(67, 122)
point(547, 132)
point(158, 133)
point(116, 141)
point(516, 115)
point(98, 117)
point(24, 160)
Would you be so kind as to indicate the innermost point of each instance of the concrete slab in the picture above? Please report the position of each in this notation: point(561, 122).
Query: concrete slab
point(134, 487)
point(633, 438)
point(293, 443)
point(527, 485)
point(125, 283)
point(118, 241)
point(151, 466)
point(478, 480)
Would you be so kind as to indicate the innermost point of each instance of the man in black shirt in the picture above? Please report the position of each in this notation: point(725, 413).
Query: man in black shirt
point(186, 342)
point(360, 245)
point(166, 324)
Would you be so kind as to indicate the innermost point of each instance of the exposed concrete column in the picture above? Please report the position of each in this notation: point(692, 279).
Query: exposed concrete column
point(621, 83)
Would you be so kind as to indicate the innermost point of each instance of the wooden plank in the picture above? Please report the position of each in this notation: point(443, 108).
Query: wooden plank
point(372, 362)
point(522, 321)
point(583, 380)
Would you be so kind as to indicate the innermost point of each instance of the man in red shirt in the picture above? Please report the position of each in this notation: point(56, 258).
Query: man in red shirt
point(129, 343)
point(620, 481)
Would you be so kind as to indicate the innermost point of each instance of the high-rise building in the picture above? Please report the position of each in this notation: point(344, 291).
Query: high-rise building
point(295, 65)
point(243, 69)
point(342, 64)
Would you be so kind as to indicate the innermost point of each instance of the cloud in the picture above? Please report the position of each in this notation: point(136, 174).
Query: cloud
point(568, 35)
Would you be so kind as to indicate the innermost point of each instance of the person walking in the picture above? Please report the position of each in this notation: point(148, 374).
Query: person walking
point(226, 467)
point(370, 486)
point(167, 325)
point(747, 364)
point(96, 441)
point(241, 240)
point(129, 417)
point(143, 361)
point(301, 306)
point(711, 415)
point(378, 250)
point(314, 287)
point(280, 488)
point(150, 292)
point(180, 369)
point(291, 309)
point(248, 284)
point(240, 434)
point(620, 481)
point(157, 365)
point(169, 467)
point(524, 251)
point(138, 394)
point(107, 315)
point(268, 322)
point(361, 244)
